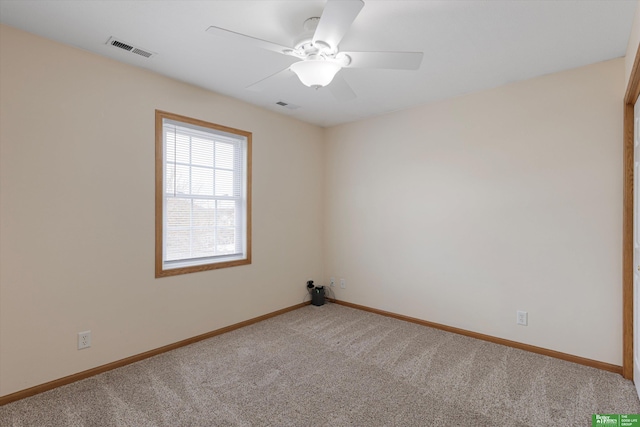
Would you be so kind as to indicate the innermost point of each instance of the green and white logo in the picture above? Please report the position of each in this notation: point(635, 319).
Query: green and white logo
point(615, 420)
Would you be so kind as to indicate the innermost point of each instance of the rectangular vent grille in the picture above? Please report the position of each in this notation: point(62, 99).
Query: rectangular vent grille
point(287, 105)
point(121, 45)
point(129, 48)
point(142, 52)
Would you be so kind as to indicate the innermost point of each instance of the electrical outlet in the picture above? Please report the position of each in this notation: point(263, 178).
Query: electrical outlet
point(332, 282)
point(522, 318)
point(343, 284)
point(84, 340)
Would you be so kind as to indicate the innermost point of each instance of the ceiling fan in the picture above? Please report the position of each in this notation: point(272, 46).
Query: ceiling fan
point(320, 58)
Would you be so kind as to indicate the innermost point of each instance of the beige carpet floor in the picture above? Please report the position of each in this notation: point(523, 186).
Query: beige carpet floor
point(334, 366)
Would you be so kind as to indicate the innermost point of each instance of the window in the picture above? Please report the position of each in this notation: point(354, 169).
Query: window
point(203, 195)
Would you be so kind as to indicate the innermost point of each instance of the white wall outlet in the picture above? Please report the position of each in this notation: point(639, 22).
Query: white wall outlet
point(84, 340)
point(522, 318)
point(343, 284)
point(332, 282)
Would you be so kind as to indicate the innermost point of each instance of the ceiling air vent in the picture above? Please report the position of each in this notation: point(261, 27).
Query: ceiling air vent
point(287, 105)
point(129, 48)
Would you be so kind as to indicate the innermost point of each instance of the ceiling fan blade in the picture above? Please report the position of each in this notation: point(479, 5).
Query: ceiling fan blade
point(273, 79)
point(264, 44)
point(336, 19)
point(389, 60)
point(341, 89)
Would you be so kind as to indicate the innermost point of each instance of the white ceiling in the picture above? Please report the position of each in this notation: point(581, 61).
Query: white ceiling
point(468, 45)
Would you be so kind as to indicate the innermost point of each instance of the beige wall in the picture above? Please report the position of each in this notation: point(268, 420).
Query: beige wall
point(77, 213)
point(632, 47)
point(464, 211)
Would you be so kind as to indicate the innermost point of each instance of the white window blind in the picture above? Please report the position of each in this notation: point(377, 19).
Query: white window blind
point(205, 188)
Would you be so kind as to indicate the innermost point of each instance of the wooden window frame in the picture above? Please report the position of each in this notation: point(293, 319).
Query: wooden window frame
point(160, 270)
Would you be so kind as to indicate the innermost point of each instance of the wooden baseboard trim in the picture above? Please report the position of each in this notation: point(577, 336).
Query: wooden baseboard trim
point(138, 357)
point(531, 348)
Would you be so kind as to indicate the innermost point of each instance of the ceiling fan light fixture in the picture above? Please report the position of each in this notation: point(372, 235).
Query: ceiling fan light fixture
point(316, 73)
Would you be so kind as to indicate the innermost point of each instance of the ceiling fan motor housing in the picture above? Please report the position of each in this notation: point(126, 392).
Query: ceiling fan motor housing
point(305, 47)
